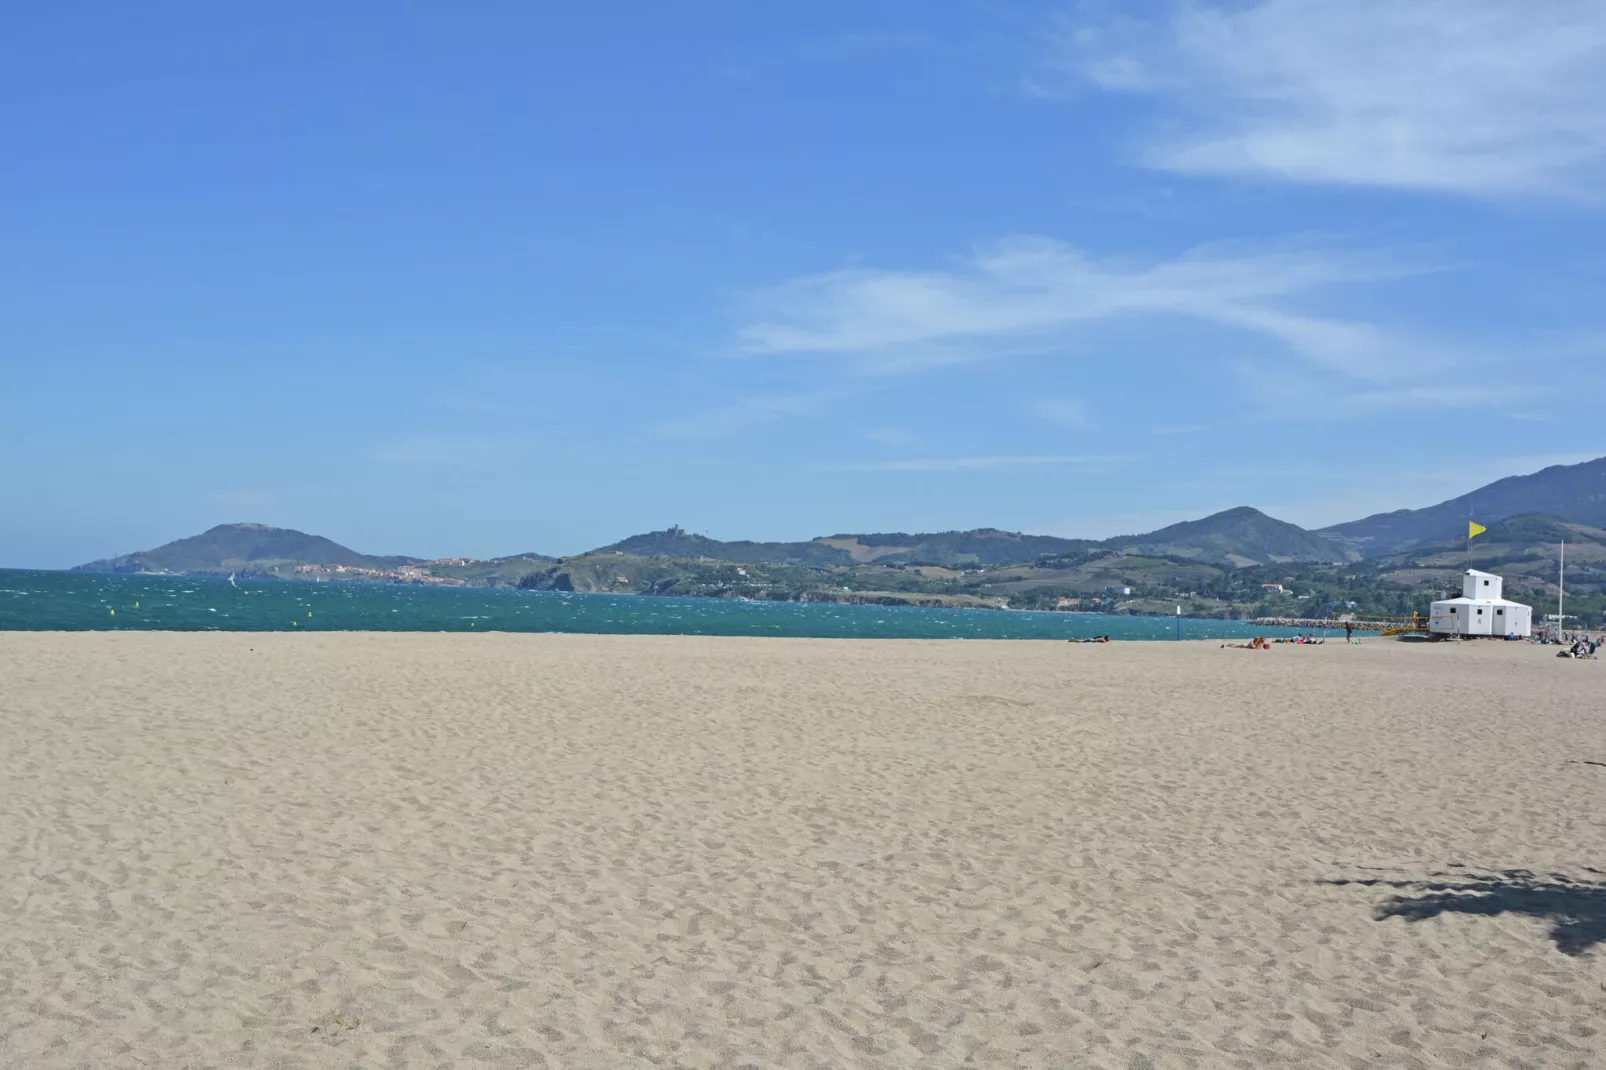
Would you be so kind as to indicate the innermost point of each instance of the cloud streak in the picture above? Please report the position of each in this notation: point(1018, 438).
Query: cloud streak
point(1066, 411)
point(1030, 285)
point(242, 500)
point(1475, 97)
point(425, 449)
point(751, 411)
point(978, 464)
point(1034, 294)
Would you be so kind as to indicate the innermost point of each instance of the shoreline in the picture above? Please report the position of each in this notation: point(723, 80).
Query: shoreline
point(869, 598)
point(57, 601)
point(532, 633)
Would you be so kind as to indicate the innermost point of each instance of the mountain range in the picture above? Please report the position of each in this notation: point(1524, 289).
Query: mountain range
point(1575, 492)
point(1240, 537)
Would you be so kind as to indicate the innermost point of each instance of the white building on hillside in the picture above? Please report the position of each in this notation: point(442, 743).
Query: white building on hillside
point(1480, 610)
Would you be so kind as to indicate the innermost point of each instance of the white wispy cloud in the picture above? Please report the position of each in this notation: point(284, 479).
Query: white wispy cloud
point(1317, 394)
point(977, 464)
point(1478, 97)
point(1021, 288)
point(749, 411)
point(1034, 294)
point(1067, 411)
point(241, 500)
point(424, 449)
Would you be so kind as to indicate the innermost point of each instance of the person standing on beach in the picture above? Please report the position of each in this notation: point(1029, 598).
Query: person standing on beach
point(1349, 630)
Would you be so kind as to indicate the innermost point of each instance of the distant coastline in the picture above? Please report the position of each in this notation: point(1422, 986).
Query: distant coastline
point(1235, 564)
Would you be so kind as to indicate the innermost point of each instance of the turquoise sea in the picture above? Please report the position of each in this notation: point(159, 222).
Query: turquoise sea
point(75, 601)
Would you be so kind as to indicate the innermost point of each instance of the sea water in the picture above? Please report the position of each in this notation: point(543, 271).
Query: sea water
point(79, 601)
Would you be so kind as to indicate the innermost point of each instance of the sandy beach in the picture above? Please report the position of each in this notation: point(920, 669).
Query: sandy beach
point(345, 850)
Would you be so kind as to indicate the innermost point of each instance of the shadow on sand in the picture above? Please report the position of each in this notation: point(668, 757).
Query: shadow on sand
point(1576, 909)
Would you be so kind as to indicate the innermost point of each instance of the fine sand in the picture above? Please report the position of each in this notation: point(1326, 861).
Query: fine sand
point(371, 850)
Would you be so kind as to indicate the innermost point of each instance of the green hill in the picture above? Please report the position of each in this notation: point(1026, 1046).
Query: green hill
point(1525, 549)
point(243, 548)
point(619, 573)
point(1241, 536)
point(1532, 531)
point(1575, 493)
point(675, 542)
point(985, 547)
point(492, 572)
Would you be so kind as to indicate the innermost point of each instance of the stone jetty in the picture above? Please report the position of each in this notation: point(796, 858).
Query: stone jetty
point(1323, 622)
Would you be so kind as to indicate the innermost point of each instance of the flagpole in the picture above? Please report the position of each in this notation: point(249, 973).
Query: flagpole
point(1561, 594)
point(1474, 529)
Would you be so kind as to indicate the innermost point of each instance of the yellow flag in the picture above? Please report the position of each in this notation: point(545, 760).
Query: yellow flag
point(1474, 529)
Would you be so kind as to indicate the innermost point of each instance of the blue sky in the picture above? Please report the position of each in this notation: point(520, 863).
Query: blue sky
point(510, 276)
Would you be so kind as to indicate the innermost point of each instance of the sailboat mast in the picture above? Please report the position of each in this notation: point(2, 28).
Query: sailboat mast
point(1561, 592)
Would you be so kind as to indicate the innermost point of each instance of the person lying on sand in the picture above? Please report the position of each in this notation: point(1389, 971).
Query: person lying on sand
point(1257, 643)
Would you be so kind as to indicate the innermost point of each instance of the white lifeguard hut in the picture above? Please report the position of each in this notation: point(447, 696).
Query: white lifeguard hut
point(1480, 610)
